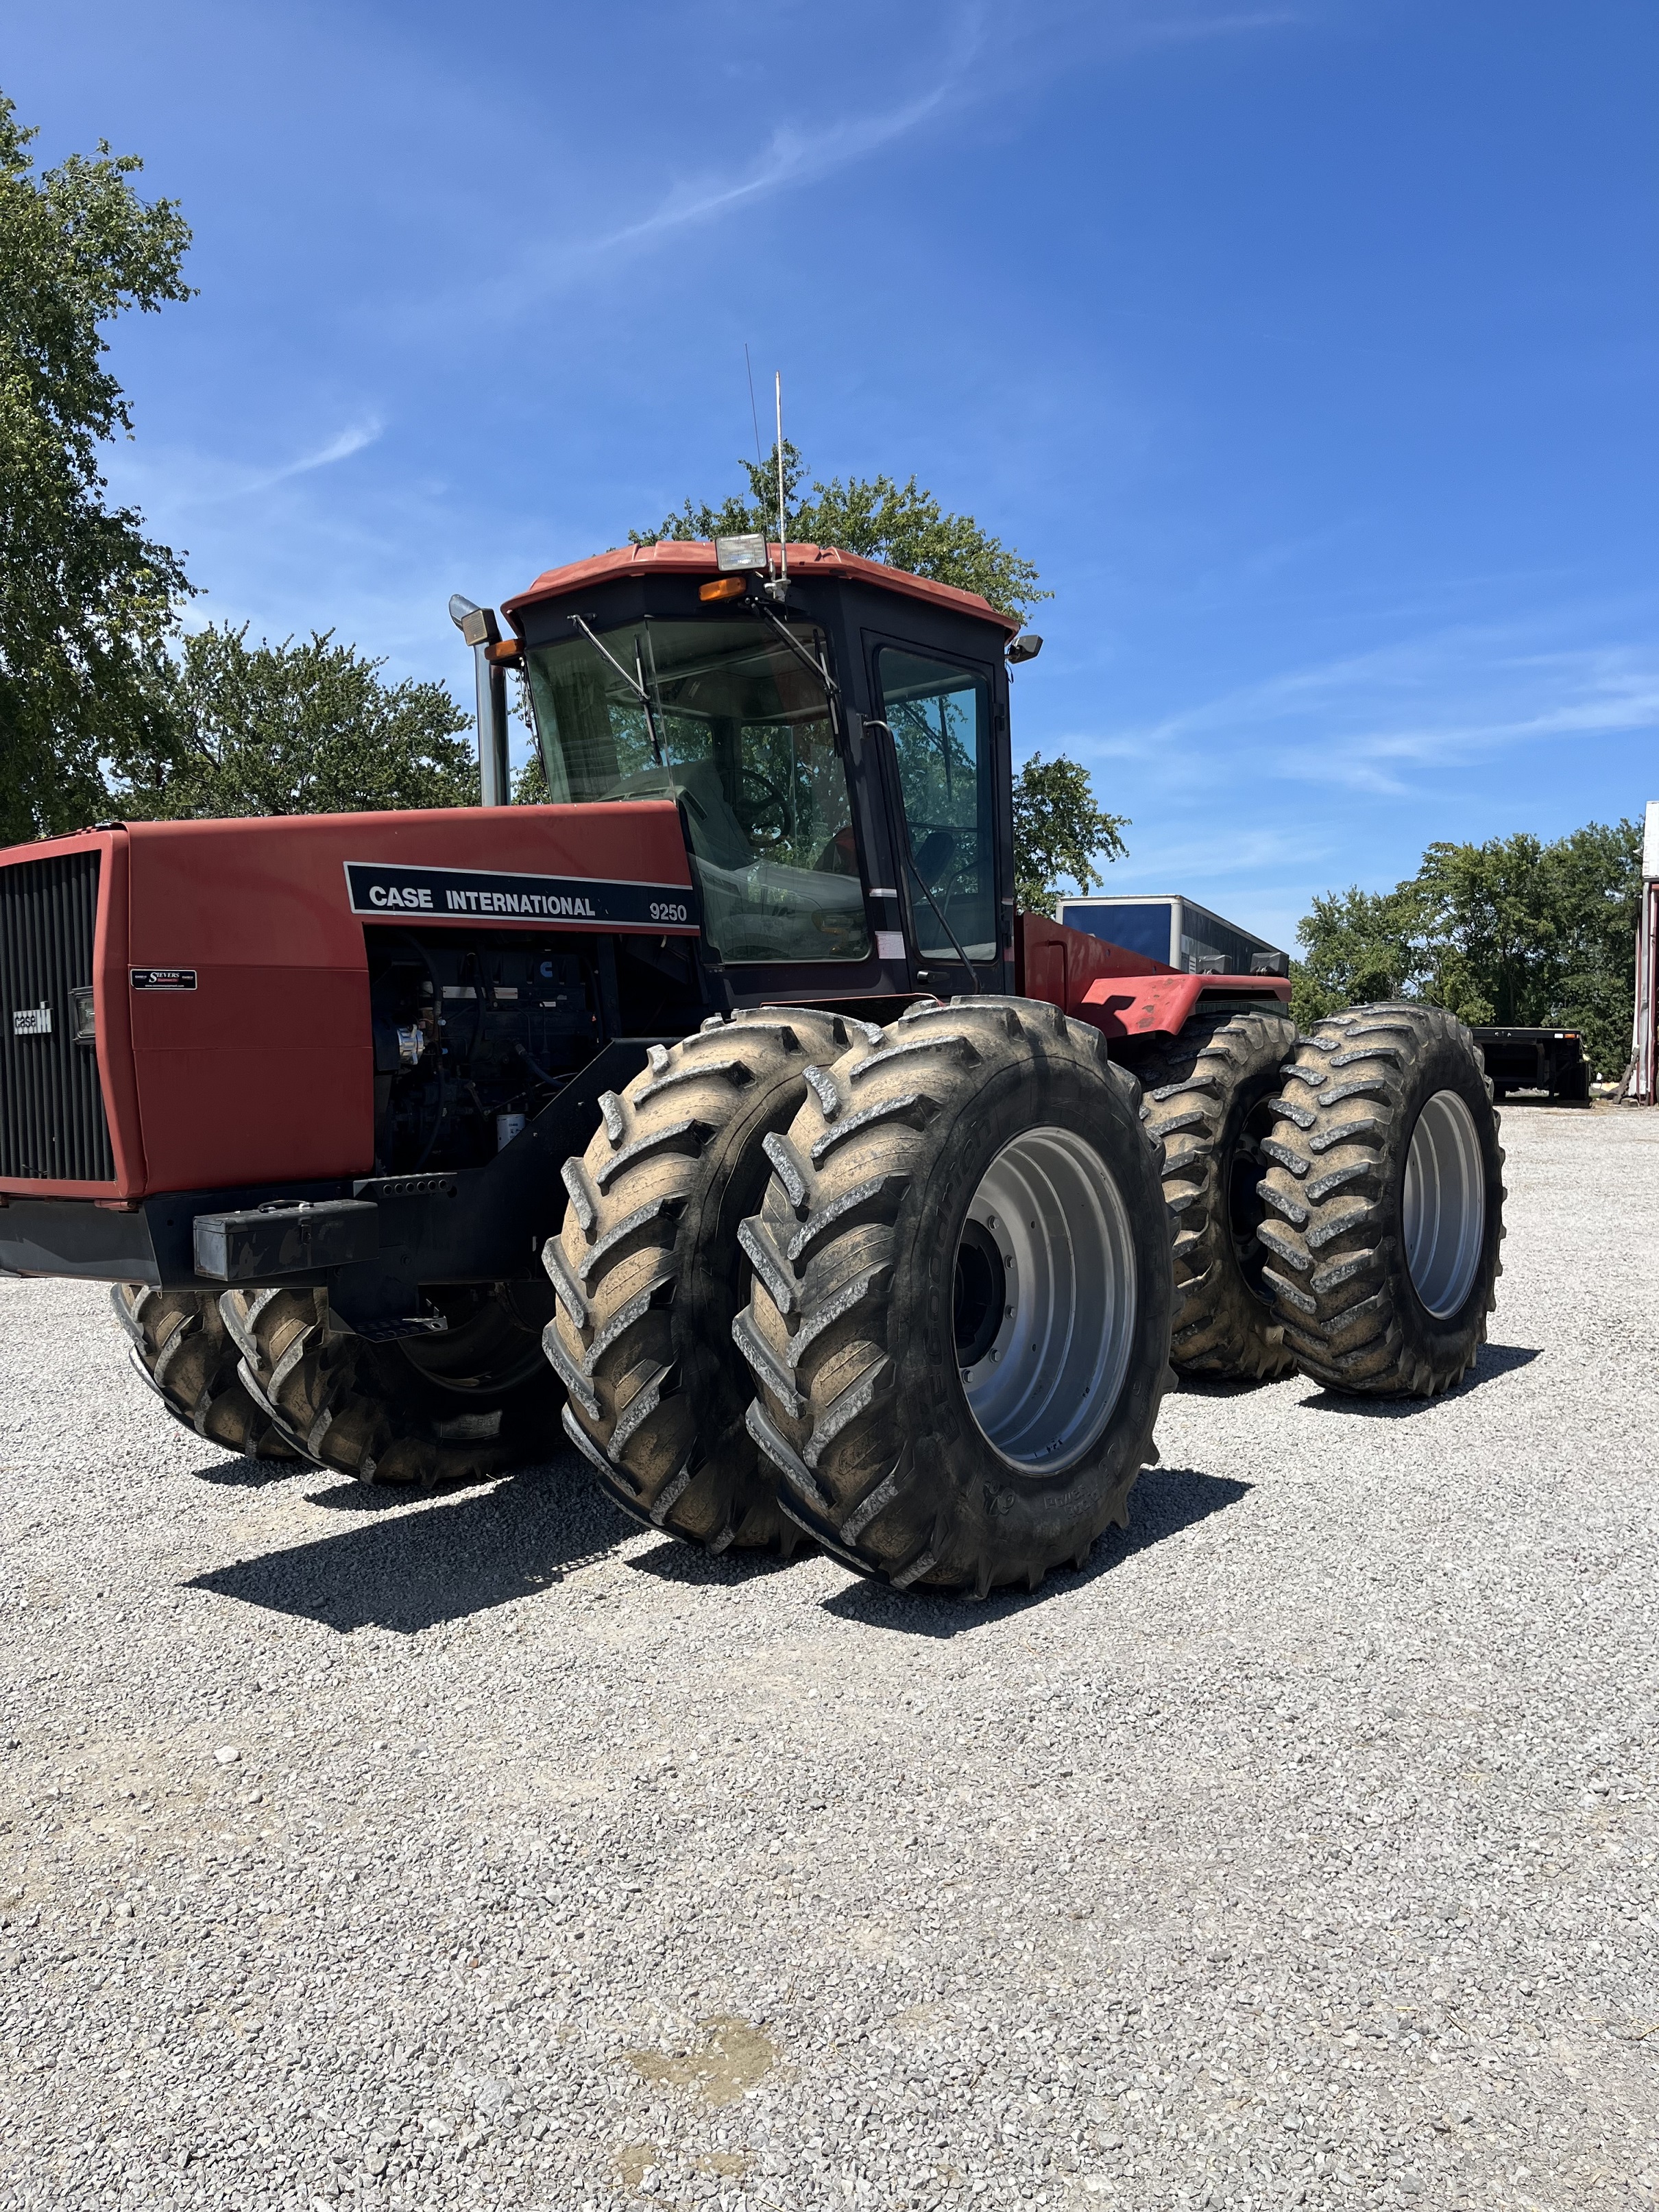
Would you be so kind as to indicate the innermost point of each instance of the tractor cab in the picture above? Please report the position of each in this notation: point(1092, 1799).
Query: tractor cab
point(836, 738)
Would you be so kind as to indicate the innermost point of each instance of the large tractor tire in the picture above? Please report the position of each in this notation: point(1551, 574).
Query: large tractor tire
point(1386, 1201)
point(453, 1405)
point(649, 1275)
point(1210, 1095)
point(959, 1323)
point(182, 1349)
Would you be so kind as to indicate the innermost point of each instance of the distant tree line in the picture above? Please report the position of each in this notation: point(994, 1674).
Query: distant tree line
point(1514, 931)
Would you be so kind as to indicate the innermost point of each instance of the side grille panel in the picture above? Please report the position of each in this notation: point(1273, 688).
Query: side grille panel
point(52, 1124)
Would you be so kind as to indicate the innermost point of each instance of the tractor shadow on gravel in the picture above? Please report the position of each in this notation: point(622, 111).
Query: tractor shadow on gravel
point(423, 1558)
point(1165, 1501)
point(444, 1556)
point(235, 1471)
point(1491, 1361)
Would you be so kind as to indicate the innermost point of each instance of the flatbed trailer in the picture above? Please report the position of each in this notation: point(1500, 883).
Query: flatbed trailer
point(1536, 1060)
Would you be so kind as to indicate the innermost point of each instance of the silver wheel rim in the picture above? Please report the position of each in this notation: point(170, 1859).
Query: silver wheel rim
point(1044, 1388)
point(1444, 1204)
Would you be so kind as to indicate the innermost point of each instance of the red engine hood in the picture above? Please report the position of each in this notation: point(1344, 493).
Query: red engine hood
point(231, 982)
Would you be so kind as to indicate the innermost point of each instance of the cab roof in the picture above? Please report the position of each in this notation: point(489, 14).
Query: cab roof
point(690, 556)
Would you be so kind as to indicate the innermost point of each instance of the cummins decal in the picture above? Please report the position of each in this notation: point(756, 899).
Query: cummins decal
point(389, 889)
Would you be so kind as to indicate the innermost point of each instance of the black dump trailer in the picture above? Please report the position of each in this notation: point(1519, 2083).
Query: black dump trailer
point(1537, 1059)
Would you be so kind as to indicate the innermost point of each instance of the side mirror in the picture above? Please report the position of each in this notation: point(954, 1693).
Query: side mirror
point(1025, 647)
point(477, 625)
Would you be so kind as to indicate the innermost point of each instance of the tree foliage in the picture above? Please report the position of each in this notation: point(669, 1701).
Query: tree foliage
point(87, 599)
point(1357, 946)
point(301, 728)
point(1059, 832)
point(1511, 931)
point(900, 524)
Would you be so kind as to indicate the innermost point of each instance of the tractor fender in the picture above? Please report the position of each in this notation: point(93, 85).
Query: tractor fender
point(1161, 1005)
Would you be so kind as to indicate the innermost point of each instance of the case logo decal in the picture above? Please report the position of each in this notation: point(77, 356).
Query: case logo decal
point(388, 891)
point(31, 1021)
point(163, 979)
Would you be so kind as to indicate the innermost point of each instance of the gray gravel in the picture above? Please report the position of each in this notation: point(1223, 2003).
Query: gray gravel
point(484, 1850)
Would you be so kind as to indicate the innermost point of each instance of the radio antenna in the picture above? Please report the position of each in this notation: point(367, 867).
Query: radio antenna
point(783, 556)
point(754, 411)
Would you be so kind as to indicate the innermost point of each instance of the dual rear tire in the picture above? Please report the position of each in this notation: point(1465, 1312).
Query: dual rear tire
point(648, 1274)
point(1385, 1201)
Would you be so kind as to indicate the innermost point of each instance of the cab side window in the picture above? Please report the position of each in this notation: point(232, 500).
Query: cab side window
point(941, 718)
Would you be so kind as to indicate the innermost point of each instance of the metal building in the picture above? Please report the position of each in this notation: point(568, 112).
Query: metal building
point(1645, 1038)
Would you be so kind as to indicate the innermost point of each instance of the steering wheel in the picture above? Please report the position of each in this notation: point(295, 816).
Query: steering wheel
point(764, 817)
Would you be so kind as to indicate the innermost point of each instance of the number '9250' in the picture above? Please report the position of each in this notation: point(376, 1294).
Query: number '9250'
point(669, 911)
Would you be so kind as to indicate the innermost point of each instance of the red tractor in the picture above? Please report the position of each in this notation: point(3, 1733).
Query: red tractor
point(723, 1117)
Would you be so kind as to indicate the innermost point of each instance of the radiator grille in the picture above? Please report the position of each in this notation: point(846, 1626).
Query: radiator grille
point(52, 1124)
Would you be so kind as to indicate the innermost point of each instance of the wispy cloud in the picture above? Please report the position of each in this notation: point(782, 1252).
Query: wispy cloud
point(340, 447)
point(1447, 699)
point(242, 483)
point(799, 153)
point(184, 480)
point(796, 154)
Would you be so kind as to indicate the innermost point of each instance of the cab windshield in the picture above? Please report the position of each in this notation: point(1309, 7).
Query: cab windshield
point(739, 732)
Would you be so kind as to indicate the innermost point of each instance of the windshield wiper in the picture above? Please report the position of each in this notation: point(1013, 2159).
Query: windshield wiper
point(635, 683)
point(831, 689)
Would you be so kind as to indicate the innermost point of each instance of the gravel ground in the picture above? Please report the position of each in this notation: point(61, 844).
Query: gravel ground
point(483, 1851)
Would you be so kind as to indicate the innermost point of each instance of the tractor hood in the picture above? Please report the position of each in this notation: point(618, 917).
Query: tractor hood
point(187, 1003)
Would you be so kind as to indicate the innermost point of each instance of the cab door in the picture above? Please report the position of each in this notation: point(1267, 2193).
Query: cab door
point(940, 712)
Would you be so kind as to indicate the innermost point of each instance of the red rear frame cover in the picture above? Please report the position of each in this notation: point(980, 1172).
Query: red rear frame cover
point(263, 1072)
point(1122, 994)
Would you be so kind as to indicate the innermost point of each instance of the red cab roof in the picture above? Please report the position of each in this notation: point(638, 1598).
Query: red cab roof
point(688, 556)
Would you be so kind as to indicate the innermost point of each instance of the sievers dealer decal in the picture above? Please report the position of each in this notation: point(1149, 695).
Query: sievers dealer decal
point(389, 888)
point(163, 979)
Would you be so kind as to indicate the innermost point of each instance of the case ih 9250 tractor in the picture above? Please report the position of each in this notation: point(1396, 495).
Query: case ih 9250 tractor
point(724, 1110)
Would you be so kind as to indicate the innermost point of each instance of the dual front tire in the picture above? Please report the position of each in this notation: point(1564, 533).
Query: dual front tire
point(958, 1320)
point(273, 1375)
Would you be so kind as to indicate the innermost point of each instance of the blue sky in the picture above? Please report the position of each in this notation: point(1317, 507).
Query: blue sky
point(1308, 348)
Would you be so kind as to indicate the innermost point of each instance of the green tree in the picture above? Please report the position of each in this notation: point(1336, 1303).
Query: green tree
point(307, 728)
point(1059, 832)
point(900, 524)
point(1359, 946)
point(1514, 932)
point(87, 600)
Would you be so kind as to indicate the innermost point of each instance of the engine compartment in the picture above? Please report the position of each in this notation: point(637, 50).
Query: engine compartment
point(475, 1031)
point(473, 1034)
